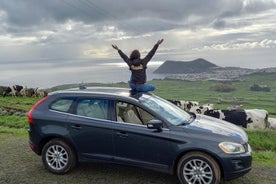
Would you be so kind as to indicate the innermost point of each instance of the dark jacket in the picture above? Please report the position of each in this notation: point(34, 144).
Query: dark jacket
point(138, 66)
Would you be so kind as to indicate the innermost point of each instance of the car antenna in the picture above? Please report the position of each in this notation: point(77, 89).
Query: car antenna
point(82, 86)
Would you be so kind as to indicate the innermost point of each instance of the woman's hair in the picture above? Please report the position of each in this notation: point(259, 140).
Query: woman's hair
point(134, 55)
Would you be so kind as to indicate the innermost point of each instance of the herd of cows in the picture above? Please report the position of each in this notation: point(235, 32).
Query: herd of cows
point(17, 90)
point(248, 118)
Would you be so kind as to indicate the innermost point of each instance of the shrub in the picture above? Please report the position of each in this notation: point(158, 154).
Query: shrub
point(227, 87)
point(257, 87)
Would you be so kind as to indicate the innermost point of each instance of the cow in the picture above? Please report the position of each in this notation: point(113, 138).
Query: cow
point(27, 92)
point(2, 89)
point(201, 109)
point(14, 90)
point(185, 105)
point(272, 123)
point(23, 91)
point(39, 92)
point(30, 92)
point(237, 117)
point(259, 118)
point(251, 118)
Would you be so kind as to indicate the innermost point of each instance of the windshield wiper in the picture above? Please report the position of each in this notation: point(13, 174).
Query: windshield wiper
point(193, 117)
point(183, 123)
point(189, 121)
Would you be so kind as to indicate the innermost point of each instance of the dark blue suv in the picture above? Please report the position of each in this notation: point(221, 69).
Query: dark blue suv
point(117, 125)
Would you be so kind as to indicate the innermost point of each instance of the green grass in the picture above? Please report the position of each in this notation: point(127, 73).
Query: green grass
point(19, 103)
point(263, 146)
point(262, 139)
point(15, 131)
point(17, 125)
point(14, 121)
point(265, 158)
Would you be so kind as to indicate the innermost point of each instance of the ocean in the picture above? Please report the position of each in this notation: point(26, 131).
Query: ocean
point(49, 74)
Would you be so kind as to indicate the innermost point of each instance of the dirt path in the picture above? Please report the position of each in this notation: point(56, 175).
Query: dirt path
point(19, 165)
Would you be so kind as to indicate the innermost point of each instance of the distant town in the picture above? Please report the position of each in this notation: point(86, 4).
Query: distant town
point(200, 69)
point(219, 74)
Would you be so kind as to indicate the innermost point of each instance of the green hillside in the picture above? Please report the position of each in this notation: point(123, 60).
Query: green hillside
point(202, 91)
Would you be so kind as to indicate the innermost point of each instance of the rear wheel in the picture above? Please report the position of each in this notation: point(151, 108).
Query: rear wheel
point(58, 157)
point(198, 168)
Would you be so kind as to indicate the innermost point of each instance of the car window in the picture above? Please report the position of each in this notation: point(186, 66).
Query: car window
point(130, 113)
point(62, 105)
point(93, 108)
point(166, 109)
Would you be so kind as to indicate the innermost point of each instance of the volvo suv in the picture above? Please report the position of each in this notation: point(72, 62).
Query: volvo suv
point(117, 125)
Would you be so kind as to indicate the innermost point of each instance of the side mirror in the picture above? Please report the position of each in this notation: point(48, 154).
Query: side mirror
point(155, 124)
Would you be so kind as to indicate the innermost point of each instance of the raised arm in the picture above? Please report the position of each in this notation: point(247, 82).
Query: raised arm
point(123, 56)
point(153, 50)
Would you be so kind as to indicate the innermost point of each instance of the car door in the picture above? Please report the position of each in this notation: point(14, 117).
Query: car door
point(136, 144)
point(91, 129)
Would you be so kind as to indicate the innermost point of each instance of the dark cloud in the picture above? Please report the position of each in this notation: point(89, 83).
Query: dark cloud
point(33, 13)
point(219, 24)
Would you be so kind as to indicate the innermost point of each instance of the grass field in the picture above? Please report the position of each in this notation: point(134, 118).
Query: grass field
point(201, 91)
point(262, 141)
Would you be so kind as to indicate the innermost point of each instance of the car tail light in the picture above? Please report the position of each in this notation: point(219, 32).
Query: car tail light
point(31, 145)
point(30, 113)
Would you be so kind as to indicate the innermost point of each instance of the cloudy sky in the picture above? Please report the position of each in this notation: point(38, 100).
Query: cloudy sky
point(46, 43)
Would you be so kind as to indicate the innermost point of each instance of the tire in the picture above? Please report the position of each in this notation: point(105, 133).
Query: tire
point(197, 167)
point(58, 157)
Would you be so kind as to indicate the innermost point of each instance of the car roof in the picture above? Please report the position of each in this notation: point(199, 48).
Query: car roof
point(105, 91)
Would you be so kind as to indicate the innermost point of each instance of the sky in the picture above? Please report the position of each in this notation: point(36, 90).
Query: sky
point(46, 43)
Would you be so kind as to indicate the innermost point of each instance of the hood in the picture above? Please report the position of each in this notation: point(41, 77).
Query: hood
point(213, 125)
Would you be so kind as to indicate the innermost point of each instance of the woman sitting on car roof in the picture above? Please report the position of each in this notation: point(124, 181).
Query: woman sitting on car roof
point(138, 67)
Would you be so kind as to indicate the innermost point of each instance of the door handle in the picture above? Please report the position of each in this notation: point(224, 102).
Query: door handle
point(122, 134)
point(76, 127)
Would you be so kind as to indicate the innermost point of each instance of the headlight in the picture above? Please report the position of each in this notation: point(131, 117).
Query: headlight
point(231, 148)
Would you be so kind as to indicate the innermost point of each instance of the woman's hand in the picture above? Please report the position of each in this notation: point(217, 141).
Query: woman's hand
point(160, 41)
point(115, 47)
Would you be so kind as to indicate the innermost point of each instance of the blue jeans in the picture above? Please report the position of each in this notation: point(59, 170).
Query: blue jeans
point(141, 87)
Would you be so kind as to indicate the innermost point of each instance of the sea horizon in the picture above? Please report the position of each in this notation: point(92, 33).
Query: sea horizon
point(98, 72)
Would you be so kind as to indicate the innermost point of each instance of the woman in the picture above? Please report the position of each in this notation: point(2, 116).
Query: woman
point(138, 67)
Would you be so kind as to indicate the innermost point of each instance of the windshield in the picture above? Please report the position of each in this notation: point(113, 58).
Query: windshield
point(166, 109)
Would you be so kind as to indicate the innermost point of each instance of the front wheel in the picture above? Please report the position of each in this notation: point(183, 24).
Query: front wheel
point(58, 157)
point(198, 168)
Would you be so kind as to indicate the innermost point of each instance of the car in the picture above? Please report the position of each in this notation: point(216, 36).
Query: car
point(118, 125)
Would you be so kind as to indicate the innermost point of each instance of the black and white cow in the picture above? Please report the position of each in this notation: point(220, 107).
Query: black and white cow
point(251, 118)
point(237, 117)
point(185, 105)
point(13, 90)
point(40, 92)
point(202, 108)
point(30, 92)
point(259, 118)
point(27, 92)
point(2, 90)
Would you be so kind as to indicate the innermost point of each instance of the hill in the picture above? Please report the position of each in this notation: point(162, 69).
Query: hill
point(179, 67)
